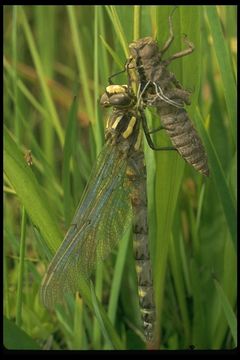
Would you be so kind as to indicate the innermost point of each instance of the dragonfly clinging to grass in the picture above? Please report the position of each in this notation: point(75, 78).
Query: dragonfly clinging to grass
point(116, 192)
point(114, 197)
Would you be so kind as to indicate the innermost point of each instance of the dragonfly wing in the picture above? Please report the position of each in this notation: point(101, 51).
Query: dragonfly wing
point(102, 217)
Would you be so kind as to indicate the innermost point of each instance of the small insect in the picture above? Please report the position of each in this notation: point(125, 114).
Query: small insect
point(28, 157)
point(160, 88)
point(115, 196)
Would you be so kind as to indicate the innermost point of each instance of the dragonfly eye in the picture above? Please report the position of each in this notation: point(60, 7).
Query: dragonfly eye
point(120, 100)
point(104, 101)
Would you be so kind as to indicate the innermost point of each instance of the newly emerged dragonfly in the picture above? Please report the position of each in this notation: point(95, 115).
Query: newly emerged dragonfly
point(114, 197)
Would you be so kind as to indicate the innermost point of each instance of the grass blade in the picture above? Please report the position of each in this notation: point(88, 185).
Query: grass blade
point(79, 335)
point(219, 179)
point(169, 168)
point(82, 66)
point(29, 192)
point(102, 323)
point(21, 270)
point(226, 70)
point(230, 316)
point(117, 277)
point(39, 68)
point(67, 153)
point(17, 339)
point(112, 12)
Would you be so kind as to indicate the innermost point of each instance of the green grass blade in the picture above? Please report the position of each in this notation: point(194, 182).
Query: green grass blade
point(179, 285)
point(22, 87)
point(117, 277)
point(217, 173)
point(104, 73)
point(79, 335)
point(170, 166)
point(112, 53)
point(39, 159)
point(17, 339)
point(37, 61)
point(99, 294)
point(226, 69)
point(67, 153)
point(102, 323)
point(82, 65)
point(88, 297)
point(113, 15)
point(97, 125)
point(136, 21)
point(21, 270)
point(6, 305)
point(15, 59)
point(99, 317)
point(230, 316)
point(230, 290)
point(200, 331)
point(29, 192)
point(47, 15)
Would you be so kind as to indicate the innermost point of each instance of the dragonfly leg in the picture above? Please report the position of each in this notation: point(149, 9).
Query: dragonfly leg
point(141, 92)
point(117, 73)
point(127, 64)
point(164, 148)
point(175, 81)
point(146, 130)
point(182, 53)
point(148, 137)
point(128, 67)
point(156, 129)
point(171, 36)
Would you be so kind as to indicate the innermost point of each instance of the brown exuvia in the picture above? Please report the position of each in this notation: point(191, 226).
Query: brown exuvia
point(160, 88)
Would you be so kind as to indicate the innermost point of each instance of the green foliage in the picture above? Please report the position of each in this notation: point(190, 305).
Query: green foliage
point(17, 339)
point(53, 55)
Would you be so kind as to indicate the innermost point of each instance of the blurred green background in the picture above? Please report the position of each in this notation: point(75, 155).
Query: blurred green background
point(55, 54)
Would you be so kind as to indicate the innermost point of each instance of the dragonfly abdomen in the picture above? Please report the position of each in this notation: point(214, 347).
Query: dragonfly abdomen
point(145, 287)
point(185, 138)
point(136, 173)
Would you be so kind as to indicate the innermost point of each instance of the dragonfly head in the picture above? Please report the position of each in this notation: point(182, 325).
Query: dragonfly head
point(117, 96)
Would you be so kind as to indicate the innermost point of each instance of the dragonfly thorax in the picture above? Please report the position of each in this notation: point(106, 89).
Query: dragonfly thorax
point(124, 125)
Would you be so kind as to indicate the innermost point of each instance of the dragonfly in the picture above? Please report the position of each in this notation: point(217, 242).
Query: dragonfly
point(115, 197)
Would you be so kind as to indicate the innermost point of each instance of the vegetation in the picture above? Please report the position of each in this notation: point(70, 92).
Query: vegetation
point(57, 60)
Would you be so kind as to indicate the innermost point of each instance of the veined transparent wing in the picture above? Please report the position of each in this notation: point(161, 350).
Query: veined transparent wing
point(100, 220)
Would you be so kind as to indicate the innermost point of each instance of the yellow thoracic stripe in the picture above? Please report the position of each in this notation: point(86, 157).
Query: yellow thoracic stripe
point(116, 122)
point(129, 129)
point(108, 121)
